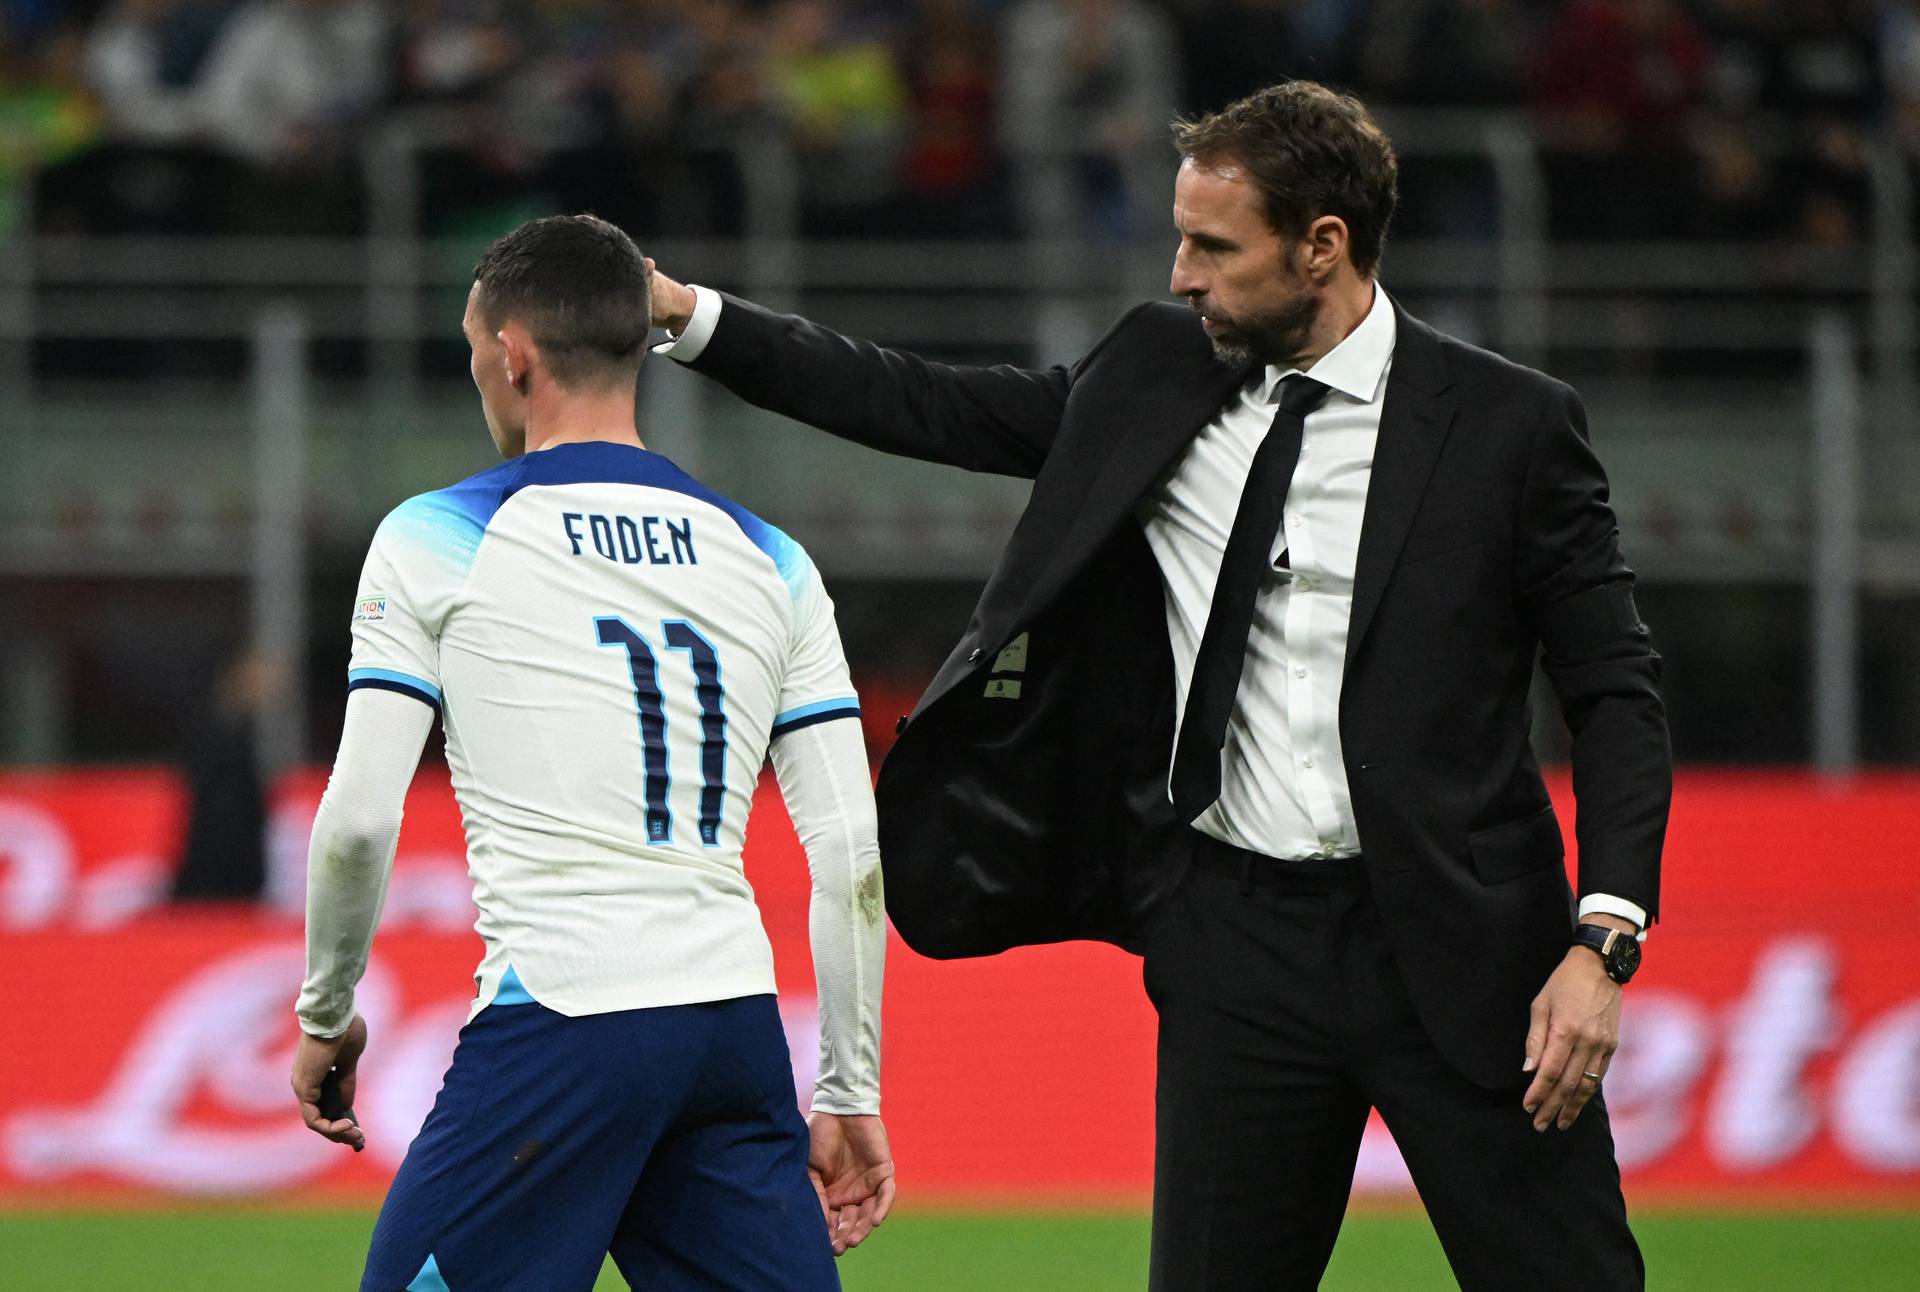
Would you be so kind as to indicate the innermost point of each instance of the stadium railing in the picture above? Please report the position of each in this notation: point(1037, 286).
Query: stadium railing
point(1783, 358)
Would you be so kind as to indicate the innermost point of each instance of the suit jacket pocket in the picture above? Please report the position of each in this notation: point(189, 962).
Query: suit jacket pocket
point(1438, 540)
point(1518, 847)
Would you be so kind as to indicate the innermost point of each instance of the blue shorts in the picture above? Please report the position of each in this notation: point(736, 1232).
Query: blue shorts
point(667, 1137)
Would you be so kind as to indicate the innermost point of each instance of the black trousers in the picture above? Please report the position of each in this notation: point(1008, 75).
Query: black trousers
point(1283, 1019)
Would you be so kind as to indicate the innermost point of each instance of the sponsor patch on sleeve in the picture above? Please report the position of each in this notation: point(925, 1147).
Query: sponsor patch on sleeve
point(369, 610)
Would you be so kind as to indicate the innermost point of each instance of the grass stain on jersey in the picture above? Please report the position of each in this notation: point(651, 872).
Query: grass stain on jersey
point(867, 897)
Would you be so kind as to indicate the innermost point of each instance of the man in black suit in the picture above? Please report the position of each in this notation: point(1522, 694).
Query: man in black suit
point(1248, 694)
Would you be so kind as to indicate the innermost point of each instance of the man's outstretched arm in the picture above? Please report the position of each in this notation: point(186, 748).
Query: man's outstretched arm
point(1001, 419)
point(348, 863)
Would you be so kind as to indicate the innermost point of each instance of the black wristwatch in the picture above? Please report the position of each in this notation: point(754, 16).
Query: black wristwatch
point(1619, 952)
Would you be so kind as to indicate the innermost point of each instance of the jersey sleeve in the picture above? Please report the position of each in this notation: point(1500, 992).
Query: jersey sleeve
point(829, 794)
point(816, 686)
point(350, 857)
point(406, 589)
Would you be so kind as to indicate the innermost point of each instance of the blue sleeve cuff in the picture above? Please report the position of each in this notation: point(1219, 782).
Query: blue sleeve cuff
point(386, 679)
point(808, 714)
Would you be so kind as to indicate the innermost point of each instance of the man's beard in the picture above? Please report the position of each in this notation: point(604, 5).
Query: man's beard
point(1276, 338)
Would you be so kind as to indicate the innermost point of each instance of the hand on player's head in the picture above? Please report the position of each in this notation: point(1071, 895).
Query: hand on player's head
point(671, 303)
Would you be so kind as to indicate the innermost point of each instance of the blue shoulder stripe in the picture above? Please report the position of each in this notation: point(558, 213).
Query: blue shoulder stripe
point(451, 521)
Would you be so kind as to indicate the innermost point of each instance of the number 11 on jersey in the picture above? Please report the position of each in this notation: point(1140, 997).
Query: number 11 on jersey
point(644, 666)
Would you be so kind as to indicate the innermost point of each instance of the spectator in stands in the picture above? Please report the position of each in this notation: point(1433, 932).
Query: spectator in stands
point(1828, 78)
point(24, 23)
point(724, 94)
point(1469, 54)
point(1900, 70)
point(1230, 48)
point(546, 105)
point(839, 85)
point(153, 174)
point(1086, 89)
point(1613, 82)
point(917, 119)
point(644, 110)
point(1743, 38)
point(1613, 75)
point(458, 58)
point(457, 51)
point(1737, 152)
point(141, 59)
point(952, 181)
point(46, 115)
point(1736, 190)
point(1794, 91)
point(286, 78)
point(285, 89)
point(1449, 52)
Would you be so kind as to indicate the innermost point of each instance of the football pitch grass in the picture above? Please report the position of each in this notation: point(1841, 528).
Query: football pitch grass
point(215, 1249)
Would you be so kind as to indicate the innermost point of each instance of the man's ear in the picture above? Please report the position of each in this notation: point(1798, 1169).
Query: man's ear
point(1326, 244)
point(517, 352)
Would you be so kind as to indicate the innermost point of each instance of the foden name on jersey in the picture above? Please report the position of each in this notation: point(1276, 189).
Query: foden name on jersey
point(631, 541)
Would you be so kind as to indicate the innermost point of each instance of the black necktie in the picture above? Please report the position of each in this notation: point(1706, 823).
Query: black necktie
point(1223, 647)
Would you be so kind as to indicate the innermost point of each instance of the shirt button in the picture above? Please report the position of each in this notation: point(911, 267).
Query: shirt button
point(1307, 761)
point(1296, 522)
point(1300, 671)
point(1305, 585)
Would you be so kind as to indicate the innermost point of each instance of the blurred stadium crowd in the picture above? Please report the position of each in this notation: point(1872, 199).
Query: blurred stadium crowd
point(1707, 118)
point(1697, 179)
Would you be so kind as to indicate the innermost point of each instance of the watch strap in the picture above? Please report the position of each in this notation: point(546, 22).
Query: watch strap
point(1606, 943)
point(1597, 936)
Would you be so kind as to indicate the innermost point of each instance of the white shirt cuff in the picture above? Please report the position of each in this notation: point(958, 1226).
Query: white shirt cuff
point(686, 347)
point(1606, 904)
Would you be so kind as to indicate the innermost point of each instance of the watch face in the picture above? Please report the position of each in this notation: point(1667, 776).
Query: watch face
point(1626, 957)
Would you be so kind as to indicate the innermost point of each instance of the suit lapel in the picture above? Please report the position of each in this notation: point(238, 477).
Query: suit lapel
point(1160, 420)
point(1413, 425)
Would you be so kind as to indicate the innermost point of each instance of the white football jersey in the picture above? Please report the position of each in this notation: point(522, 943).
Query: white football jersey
point(611, 646)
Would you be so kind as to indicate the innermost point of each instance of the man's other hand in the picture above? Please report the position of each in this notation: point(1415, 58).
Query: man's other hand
point(672, 302)
point(852, 1170)
point(318, 1056)
point(1574, 1031)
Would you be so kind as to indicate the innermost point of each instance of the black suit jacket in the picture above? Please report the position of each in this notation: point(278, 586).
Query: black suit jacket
point(1037, 813)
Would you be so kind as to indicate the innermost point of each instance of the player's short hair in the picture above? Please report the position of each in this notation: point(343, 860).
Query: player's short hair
point(1310, 151)
point(579, 285)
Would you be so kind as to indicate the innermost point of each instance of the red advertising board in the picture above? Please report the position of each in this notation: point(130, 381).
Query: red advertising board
point(1771, 1046)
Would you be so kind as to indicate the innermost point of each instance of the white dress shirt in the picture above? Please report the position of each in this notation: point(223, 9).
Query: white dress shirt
point(1283, 781)
point(1283, 792)
point(1283, 788)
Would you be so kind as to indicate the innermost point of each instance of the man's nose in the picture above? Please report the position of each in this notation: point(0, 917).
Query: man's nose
point(1183, 282)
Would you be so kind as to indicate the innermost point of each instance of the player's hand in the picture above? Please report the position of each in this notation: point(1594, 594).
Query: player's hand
point(312, 1062)
point(672, 302)
point(1575, 1030)
point(852, 1170)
